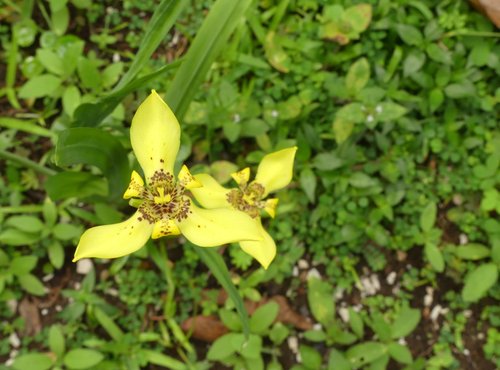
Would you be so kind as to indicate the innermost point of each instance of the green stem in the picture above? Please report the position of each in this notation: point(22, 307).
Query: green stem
point(471, 33)
point(31, 208)
point(26, 162)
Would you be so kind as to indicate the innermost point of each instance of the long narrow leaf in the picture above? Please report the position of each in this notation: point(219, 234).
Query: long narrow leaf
point(210, 38)
point(162, 20)
point(216, 264)
point(91, 114)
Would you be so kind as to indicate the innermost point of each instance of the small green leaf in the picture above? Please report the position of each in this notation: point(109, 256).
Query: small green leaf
point(356, 323)
point(413, 62)
point(479, 281)
point(409, 34)
point(56, 254)
point(225, 346)
point(60, 21)
point(278, 333)
point(82, 358)
point(31, 284)
point(436, 99)
point(32, 361)
point(358, 76)
point(66, 231)
point(472, 251)
point(308, 183)
point(400, 353)
point(88, 73)
point(230, 319)
point(389, 111)
point(263, 317)
point(327, 161)
point(362, 180)
point(310, 357)
point(23, 265)
point(16, 237)
point(406, 321)
point(56, 341)
point(29, 224)
point(75, 184)
point(320, 298)
point(107, 322)
point(337, 361)
point(251, 348)
point(40, 86)
point(435, 257)
point(49, 212)
point(428, 217)
point(157, 358)
point(364, 353)
point(71, 99)
point(51, 61)
point(342, 129)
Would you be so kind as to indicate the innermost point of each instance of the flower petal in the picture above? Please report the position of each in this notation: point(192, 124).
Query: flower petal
point(187, 180)
point(116, 240)
point(135, 187)
point(241, 177)
point(211, 194)
point(270, 206)
point(276, 169)
point(214, 227)
point(165, 227)
point(264, 250)
point(155, 136)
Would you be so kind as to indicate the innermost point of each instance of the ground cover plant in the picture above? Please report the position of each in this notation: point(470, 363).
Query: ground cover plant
point(373, 124)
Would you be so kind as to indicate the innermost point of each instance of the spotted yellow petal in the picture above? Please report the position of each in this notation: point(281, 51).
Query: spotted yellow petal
point(263, 250)
point(276, 169)
point(115, 240)
point(270, 206)
point(165, 227)
point(241, 177)
point(214, 227)
point(155, 136)
point(135, 187)
point(187, 180)
point(210, 194)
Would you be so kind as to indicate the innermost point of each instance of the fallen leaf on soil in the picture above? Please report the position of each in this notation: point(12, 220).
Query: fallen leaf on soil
point(490, 8)
point(206, 328)
point(29, 312)
point(209, 328)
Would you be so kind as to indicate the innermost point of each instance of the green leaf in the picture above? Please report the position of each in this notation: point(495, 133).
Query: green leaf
point(40, 86)
point(51, 61)
point(460, 90)
point(320, 298)
point(161, 22)
point(389, 111)
point(49, 212)
point(354, 112)
point(327, 161)
point(358, 76)
point(362, 180)
point(413, 62)
point(409, 34)
point(82, 358)
point(230, 319)
point(310, 357)
point(337, 361)
point(472, 251)
point(106, 322)
point(97, 148)
point(88, 73)
point(263, 317)
point(365, 353)
point(435, 257)
point(29, 224)
point(60, 21)
point(91, 114)
point(436, 99)
point(400, 353)
point(32, 361)
point(56, 254)
point(406, 321)
point(278, 333)
point(56, 340)
point(31, 284)
point(23, 265)
point(356, 323)
point(251, 348)
point(479, 281)
point(71, 99)
point(66, 231)
point(428, 217)
point(157, 358)
point(439, 54)
point(212, 36)
point(308, 183)
point(225, 346)
point(342, 129)
point(75, 184)
point(217, 266)
point(275, 54)
point(16, 237)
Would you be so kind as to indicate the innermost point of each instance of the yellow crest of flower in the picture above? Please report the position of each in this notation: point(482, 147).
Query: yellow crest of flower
point(163, 207)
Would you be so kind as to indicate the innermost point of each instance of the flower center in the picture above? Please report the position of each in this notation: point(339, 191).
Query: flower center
point(163, 199)
point(248, 199)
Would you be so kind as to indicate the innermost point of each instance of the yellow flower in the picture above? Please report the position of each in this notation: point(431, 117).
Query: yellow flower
point(274, 172)
point(163, 208)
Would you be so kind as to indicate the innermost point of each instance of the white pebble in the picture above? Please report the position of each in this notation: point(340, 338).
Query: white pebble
point(48, 277)
point(344, 314)
point(429, 296)
point(378, 109)
point(313, 273)
point(236, 118)
point(14, 340)
point(293, 344)
point(391, 278)
point(369, 118)
point(466, 352)
point(463, 239)
point(113, 292)
point(44, 311)
point(12, 305)
point(295, 271)
point(58, 308)
point(84, 266)
point(375, 282)
point(303, 264)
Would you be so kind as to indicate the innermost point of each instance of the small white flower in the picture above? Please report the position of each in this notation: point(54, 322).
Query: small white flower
point(378, 109)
